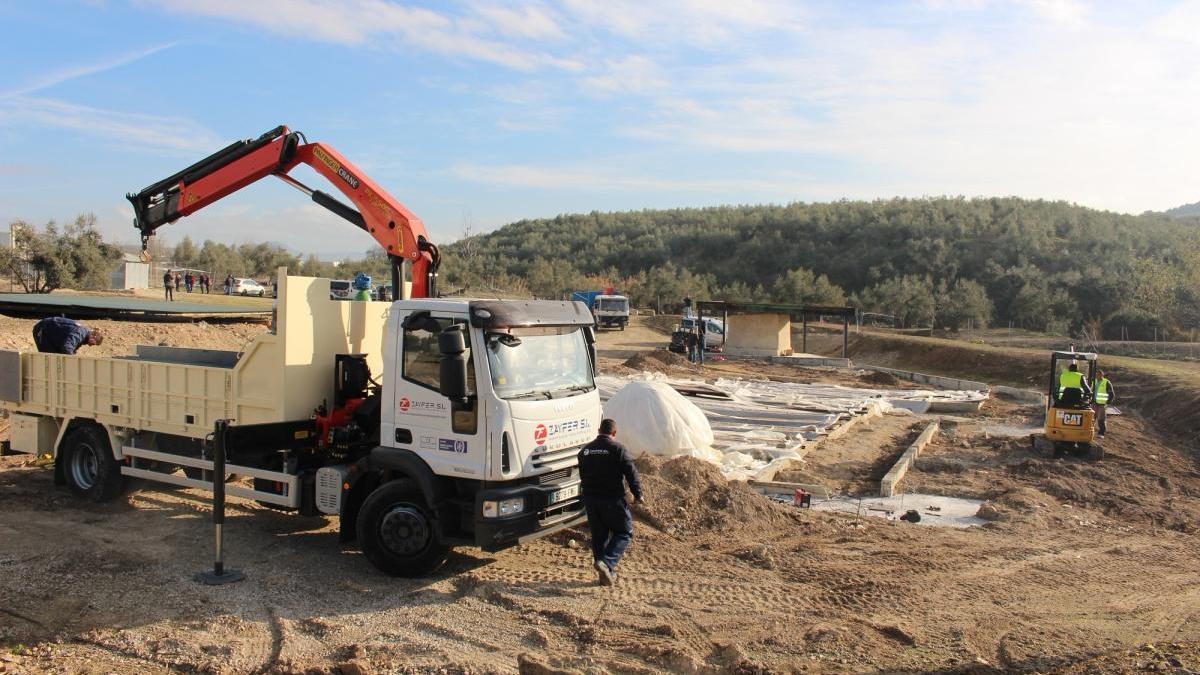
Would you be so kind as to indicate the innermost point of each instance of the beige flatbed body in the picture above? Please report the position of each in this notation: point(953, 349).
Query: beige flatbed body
point(279, 376)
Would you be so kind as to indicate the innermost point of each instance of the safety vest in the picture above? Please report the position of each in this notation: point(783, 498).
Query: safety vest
point(1070, 379)
point(1102, 391)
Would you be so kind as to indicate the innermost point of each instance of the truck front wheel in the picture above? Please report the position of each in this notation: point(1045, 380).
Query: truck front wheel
point(396, 532)
point(89, 466)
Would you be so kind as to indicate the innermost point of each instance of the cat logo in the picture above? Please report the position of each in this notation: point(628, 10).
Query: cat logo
point(1072, 419)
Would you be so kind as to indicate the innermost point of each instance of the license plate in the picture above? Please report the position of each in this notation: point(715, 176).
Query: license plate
point(564, 494)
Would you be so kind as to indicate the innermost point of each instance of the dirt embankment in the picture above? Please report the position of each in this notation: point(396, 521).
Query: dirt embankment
point(1165, 394)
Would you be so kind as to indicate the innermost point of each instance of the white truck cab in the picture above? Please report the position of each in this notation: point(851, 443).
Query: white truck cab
point(611, 310)
point(501, 442)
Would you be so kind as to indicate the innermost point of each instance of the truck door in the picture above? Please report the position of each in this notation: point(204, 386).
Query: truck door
point(451, 442)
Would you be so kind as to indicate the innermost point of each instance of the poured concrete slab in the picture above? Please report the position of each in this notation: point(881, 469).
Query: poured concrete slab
point(809, 360)
point(935, 510)
point(47, 304)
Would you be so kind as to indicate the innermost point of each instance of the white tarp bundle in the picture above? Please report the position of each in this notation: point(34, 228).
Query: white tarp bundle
point(653, 418)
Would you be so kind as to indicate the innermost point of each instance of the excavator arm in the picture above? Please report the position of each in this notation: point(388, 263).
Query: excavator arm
point(401, 233)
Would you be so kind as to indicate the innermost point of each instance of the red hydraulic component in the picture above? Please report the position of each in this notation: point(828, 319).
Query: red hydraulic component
point(400, 232)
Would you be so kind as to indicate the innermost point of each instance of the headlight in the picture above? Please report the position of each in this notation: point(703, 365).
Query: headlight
point(504, 507)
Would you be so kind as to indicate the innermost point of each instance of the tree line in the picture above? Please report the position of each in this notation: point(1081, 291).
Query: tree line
point(1035, 264)
point(1040, 265)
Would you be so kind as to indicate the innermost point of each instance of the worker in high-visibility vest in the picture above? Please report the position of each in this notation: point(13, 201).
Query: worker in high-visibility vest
point(1105, 394)
point(1071, 378)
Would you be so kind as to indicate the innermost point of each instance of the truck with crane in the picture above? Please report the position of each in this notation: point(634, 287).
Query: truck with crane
point(421, 424)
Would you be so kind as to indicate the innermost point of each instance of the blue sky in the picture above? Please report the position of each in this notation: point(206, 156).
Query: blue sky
point(475, 114)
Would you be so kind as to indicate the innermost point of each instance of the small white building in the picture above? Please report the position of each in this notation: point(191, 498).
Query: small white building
point(131, 273)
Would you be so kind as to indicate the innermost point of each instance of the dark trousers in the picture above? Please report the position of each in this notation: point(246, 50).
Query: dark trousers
point(1101, 414)
point(168, 292)
point(612, 528)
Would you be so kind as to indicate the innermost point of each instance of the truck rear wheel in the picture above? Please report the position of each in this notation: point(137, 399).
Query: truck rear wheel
point(89, 467)
point(396, 532)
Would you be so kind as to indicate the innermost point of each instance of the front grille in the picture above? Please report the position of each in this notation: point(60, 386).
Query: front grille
point(540, 460)
point(554, 476)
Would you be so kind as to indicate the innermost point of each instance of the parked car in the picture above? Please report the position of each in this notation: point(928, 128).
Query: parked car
point(248, 287)
point(714, 331)
point(340, 289)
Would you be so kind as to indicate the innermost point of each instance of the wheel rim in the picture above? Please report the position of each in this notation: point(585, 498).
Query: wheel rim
point(404, 530)
point(85, 464)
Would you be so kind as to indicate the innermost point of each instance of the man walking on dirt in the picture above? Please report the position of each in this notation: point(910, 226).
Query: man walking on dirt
point(169, 286)
point(604, 469)
point(1105, 393)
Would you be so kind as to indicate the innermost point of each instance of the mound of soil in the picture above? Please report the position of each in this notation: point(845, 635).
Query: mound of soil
point(688, 495)
point(880, 378)
point(660, 361)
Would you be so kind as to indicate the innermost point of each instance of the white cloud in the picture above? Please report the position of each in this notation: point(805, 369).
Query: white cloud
point(614, 180)
point(529, 21)
point(379, 22)
point(146, 131)
point(57, 77)
point(1066, 12)
point(632, 74)
point(700, 22)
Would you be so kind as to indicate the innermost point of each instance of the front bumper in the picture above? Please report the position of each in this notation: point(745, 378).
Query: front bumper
point(541, 516)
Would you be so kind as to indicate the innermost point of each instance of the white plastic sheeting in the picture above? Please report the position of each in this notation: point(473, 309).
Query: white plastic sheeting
point(755, 423)
point(652, 418)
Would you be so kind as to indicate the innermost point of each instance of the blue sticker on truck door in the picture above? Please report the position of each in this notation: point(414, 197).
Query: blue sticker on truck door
point(452, 445)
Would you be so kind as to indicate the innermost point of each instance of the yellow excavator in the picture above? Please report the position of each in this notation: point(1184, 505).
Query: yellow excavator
point(1070, 420)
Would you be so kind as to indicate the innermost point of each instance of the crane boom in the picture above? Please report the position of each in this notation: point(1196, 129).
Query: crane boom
point(275, 153)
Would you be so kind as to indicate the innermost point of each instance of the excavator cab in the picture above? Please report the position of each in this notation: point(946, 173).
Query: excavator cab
point(1070, 420)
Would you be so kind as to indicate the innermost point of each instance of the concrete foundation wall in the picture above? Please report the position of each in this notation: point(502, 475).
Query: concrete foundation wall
point(759, 335)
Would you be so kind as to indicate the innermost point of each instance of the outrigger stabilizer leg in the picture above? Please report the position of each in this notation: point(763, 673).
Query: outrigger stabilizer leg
point(219, 575)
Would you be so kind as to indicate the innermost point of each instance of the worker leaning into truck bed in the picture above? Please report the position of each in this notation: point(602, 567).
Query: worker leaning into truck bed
point(60, 335)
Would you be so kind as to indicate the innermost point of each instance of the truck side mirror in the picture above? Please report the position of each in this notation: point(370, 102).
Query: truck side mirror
point(452, 343)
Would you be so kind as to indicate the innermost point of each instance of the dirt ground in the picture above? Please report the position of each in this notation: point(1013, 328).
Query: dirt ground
point(1083, 567)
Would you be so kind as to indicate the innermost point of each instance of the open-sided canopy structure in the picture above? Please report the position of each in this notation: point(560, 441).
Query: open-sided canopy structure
point(796, 312)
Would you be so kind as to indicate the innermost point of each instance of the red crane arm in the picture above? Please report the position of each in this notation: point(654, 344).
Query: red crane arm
point(400, 232)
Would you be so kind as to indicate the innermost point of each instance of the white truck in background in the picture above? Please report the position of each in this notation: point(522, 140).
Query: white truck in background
point(611, 310)
point(469, 437)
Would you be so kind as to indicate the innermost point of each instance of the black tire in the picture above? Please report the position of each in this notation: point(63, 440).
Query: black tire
point(1060, 449)
point(1094, 452)
point(396, 532)
point(89, 467)
point(622, 326)
point(243, 294)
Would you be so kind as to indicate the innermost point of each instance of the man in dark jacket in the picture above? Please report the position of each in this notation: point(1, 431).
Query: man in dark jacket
point(60, 335)
point(604, 469)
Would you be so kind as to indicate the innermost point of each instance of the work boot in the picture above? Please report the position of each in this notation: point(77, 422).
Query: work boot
point(605, 575)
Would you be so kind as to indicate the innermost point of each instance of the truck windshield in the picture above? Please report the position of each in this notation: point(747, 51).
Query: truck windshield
point(540, 363)
point(612, 304)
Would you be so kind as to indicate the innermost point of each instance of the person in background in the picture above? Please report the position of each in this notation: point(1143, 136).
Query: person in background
point(178, 281)
point(228, 284)
point(60, 335)
point(189, 281)
point(1072, 386)
point(605, 468)
point(1105, 393)
point(169, 286)
point(362, 286)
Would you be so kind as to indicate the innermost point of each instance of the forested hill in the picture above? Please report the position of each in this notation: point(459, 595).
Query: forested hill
point(1037, 264)
point(1185, 211)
